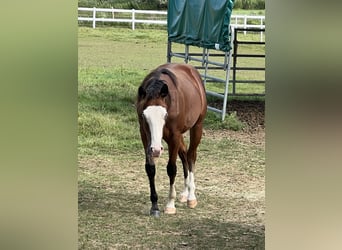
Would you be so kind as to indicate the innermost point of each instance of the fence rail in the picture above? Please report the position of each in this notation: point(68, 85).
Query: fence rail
point(153, 17)
point(93, 17)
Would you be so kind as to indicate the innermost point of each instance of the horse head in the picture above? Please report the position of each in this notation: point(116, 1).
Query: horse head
point(152, 114)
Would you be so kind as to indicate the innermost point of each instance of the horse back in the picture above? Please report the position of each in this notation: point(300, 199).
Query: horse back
point(188, 99)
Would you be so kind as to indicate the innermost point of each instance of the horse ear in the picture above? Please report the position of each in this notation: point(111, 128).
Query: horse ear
point(164, 91)
point(141, 92)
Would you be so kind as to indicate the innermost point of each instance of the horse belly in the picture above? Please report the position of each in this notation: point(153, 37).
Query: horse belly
point(193, 108)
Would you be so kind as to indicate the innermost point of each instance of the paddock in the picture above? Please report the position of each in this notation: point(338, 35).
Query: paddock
point(113, 188)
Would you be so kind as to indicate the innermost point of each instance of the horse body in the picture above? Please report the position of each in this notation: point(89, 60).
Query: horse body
point(171, 100)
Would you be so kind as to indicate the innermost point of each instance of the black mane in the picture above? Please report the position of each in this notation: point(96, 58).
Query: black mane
point(153, 88)
point(152, 84)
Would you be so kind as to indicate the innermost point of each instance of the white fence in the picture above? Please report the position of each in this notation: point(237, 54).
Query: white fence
point(152, 17)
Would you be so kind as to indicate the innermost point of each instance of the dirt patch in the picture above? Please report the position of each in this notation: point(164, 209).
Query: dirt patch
point(252, 113)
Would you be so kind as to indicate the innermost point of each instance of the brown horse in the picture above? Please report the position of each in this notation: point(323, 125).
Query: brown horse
point(172, 100)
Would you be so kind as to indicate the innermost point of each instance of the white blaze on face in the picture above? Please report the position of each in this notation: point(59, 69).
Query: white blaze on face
point(155, 118)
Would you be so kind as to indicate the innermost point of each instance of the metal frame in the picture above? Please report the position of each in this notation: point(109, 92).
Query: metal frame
point(237, 55)
point(209, 64)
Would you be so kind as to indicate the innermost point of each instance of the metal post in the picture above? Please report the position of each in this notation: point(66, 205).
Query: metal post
point(235, 44)
point(186, 54)
point(94, 18)
point(169, 46)
point(205, 61)
point(203, 57)
point(225, 100)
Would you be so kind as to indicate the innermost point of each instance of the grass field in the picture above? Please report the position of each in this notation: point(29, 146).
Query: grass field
point(113, 187)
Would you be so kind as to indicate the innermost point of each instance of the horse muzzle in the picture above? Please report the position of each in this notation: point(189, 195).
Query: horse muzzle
point(156, 151)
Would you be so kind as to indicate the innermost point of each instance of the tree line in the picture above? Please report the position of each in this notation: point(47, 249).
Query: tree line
point(160, 4)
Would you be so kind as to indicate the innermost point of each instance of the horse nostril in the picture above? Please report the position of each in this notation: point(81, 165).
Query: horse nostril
point(156, 152)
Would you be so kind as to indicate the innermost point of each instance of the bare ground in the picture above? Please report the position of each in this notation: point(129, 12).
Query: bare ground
point(250, 112)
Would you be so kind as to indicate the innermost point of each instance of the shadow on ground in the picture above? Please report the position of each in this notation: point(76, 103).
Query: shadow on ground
point(118, 218)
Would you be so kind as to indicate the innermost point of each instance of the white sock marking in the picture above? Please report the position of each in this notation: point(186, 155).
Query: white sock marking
point(185, 192)
point(172, 197)
point(192, 187)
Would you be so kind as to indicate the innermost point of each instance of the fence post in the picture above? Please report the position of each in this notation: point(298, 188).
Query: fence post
point(245, 24)
point(133, 19)
point(94, 18)
point(261, 33)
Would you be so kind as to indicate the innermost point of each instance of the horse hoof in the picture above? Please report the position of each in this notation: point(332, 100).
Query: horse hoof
point(192, 203)
point(170, 210)
point(155, 213)
point(183, 198)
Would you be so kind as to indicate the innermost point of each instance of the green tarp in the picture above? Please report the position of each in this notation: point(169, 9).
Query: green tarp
point(203, 23)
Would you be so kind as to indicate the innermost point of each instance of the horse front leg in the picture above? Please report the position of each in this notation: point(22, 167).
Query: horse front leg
point(172, 172)
point(150, 169)
point(151, 172)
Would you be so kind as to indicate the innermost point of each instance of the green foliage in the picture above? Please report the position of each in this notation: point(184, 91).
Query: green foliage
point(231, 122)
point(249, 4)
point(124, 4)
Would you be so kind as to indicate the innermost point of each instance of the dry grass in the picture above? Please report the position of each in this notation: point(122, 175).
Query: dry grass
point(114, 199)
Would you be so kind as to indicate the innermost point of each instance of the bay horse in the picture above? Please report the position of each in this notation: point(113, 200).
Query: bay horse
point(171, 100)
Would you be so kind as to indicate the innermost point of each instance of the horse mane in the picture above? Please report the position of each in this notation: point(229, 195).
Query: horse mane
point(170, 74)
point(152, 83)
